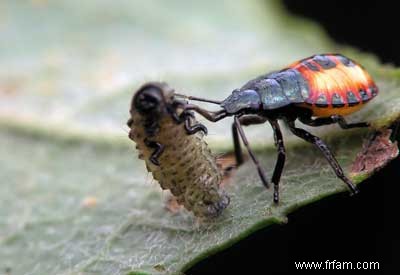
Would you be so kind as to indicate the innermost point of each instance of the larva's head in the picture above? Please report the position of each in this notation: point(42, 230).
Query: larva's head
point(152, 99)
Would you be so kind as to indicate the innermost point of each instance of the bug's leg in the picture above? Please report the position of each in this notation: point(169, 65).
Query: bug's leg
point(253, 157)
point(308, 120)
point(325, 150)
point(192, 129)
point(247, 120)
point(236, 145)
point(344, 125)
point(330, 120)
point(280, 161)
point(244, 120)
point(159, 148)
point(211, 116)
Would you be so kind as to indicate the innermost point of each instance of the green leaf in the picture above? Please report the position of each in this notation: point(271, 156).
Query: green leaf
point(75, 199)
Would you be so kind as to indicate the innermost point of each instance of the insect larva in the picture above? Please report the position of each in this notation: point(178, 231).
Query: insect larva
point(171, 143)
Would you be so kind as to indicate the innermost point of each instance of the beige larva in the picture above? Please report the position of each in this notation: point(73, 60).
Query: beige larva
point(186, 166)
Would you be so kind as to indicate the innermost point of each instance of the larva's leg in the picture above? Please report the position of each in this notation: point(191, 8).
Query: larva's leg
point(280, 161)
point(158, 150)
point(244, 120)
point(308, 120)
point(192, 129)
point(325, 150)
point(185, 117)
point(172, 110)
point(261, 172)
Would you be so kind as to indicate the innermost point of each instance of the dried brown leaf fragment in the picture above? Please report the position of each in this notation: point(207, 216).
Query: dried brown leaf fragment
point(376, 152)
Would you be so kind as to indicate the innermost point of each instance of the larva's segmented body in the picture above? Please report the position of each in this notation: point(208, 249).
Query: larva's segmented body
point(174, 150)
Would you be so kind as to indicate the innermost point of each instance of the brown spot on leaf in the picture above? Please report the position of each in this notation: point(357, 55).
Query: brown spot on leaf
point(377, 151)
point(89, 202)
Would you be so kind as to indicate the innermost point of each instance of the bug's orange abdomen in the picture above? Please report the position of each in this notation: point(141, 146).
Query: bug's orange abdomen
point(337, 85)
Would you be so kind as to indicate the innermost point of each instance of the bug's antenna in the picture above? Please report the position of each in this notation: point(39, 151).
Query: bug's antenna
point(200, 99)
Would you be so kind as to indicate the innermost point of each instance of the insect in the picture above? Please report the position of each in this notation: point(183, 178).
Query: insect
point(171, 142)
point(317, 90)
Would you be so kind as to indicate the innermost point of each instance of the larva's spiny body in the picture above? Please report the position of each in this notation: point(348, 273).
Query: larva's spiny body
point(186, 165)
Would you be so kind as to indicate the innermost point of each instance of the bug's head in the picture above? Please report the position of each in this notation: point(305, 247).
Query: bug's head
point(241, 100)
point(151, 98)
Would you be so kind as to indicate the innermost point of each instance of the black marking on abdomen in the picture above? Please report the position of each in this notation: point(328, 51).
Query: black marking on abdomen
point(321, 101)
point(364, 96)
point(310, 66)
point(337, 101)
point(324, 62)
point(352, 99)
point(374, 91)
point(345, 61)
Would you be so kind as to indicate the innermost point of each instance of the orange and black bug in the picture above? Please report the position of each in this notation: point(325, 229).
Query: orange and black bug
point(171, 143)
point(317, 90)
